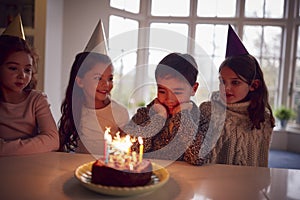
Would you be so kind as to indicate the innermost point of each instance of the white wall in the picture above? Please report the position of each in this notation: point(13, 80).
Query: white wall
point(69, 26)
point(53, 55)
point(80, 20)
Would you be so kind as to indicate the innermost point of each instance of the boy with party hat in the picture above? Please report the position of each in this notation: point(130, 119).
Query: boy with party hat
point(26, 123)
point(88, 107)
point(237, 123)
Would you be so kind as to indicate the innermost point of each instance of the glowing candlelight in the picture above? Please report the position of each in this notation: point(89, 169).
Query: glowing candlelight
point(118, 150)
point(141, 148)
point(107, 142)
point(121, 144)
point(129, 144)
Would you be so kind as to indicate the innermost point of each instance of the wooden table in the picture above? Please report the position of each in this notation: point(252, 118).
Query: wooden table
point(51, 176)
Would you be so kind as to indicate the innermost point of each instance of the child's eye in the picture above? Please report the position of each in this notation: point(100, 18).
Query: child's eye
point(177, 93)
point(235, 82)
point(12, 68)
point(28, 70)
point(161, 91)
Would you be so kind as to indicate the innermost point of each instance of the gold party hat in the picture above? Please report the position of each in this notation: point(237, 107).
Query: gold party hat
point(97, 42)
point(15, 28)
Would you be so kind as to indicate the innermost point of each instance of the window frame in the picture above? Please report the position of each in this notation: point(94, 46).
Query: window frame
point(289, 24)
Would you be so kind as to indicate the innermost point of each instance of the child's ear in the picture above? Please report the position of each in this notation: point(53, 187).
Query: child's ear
point(254, 85)
point(195, 87)
point(79, 82)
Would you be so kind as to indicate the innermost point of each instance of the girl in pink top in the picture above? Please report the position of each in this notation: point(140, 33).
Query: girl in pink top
point(26, 123)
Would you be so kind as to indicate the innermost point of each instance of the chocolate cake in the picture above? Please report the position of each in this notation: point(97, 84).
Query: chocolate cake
point(112, 175)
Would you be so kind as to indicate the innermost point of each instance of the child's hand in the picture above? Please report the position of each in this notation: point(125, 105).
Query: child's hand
point(183, 106)
point(159, 108)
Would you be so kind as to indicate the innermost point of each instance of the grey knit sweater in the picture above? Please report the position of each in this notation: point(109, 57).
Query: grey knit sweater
point(166, 139)
point(226, 136)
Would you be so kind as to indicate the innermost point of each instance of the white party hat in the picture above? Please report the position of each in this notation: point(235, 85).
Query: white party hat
point(97, 42)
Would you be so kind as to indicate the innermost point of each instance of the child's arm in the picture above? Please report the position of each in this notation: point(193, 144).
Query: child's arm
point(147, 122)
point(193, 154)
point(183, 106)
point(177, 134)
point(47, 138)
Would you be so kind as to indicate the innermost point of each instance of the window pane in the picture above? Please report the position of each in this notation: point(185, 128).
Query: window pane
point(264, 8)
point(264, 42)
point(252, 40)
point(254, 8)
point(167, 37)
point(123, 36)
point(297, 74)
point(164, 39)
point(298, 43)
point(170, 7)
point(216, 8)
point(123, 43)
point(270, 68)
point(127, 5)
point(296, 92)
point(274, 9)
point(210, 40)
point(272, 41)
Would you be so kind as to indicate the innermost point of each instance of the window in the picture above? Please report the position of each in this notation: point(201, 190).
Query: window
point(296, 92)
point(170, 32)
point(264, 42)
point(210, 42)
point(264, 8)
point(127, 5)
point(199, 28)
point(216, 8)
point(123, 31)
point(170, 7)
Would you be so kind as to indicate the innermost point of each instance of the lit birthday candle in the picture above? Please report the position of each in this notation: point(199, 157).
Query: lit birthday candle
point(128, 142)
point(140, 139)
point(107, 142)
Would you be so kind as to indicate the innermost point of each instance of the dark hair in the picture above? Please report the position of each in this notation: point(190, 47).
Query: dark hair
point(247, 68)
point(74, 98)
point(11, 44)
point(183, 65)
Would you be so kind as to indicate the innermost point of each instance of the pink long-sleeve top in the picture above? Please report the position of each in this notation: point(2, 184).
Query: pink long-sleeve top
point(27, 127)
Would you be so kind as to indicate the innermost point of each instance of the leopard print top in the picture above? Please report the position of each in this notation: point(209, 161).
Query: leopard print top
point(164, 138)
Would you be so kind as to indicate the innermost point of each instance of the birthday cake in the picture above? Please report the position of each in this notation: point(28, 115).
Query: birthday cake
point(121, 166)
point(122, 176)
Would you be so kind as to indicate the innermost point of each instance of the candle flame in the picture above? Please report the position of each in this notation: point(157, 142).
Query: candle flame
point(140, 139)
point(107, 135)
point(121, 143)
point(119, 150)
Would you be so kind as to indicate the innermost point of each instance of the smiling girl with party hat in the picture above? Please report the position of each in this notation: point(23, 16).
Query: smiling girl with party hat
point(88, 107)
